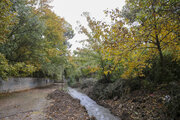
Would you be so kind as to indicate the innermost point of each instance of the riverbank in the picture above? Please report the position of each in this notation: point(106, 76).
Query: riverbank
point(139, 104)
point(26, 105)
point(64, 107)
point(47, 103)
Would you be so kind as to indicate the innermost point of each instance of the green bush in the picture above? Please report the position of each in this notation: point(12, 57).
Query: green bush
point(4, 67)
point(117, 88)
point(14, 70)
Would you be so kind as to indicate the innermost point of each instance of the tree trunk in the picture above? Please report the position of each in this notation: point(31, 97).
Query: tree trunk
point(161, 58)
point(160, 51)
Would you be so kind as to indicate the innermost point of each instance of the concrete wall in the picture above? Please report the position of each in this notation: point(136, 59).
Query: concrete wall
point(19, 84)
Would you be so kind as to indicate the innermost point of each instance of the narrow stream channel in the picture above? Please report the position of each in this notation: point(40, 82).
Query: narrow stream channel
point(99, 112)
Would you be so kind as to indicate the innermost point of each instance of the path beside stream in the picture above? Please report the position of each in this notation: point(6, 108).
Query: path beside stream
point(51, 103)
point(25, 105)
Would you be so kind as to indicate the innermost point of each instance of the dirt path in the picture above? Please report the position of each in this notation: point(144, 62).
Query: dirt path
point(65, 107)
point(27, 105)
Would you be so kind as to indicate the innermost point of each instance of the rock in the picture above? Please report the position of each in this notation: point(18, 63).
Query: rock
point(120, 105)
point(115, 98)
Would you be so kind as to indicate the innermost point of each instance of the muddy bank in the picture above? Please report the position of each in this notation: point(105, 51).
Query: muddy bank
point(64, 107)
point(48, 103)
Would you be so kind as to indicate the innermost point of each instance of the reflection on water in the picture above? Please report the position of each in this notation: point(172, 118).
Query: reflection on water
point(99, 112)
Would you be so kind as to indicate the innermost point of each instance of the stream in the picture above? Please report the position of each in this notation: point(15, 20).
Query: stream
point(99, 112)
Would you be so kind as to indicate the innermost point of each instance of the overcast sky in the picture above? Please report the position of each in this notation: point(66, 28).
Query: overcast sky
point(71, 10)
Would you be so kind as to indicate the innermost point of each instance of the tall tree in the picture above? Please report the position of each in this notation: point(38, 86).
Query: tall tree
point(5, 19)
point(153, 29)
point(26, 35)
point(37, 38)
point(158, 23)
point(96, 43)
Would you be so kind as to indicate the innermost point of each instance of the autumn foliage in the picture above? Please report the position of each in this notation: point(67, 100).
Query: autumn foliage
point(139, 37)
point(33, 39)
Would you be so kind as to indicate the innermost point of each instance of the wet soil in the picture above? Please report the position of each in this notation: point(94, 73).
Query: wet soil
point(25, 105)
point(48, 103)
point(65, 107)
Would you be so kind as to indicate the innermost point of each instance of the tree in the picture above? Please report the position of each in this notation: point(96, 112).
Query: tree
point(99, 39)
point(56, 35)
point(8, 21)
point(158, 24)
point(55, 39)
point(25, 37)
point(5, 19)
point(153, 29)
point(37, 40)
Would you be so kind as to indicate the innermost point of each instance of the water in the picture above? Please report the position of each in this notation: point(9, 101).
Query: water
point(99, 112)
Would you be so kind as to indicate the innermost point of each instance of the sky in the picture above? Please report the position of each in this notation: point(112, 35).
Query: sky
point(71, 10)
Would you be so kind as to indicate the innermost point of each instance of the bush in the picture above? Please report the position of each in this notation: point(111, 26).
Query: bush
point(14, 70)
point(170, 70)
point(117, 89)
point(3, 66)
point(173, 105)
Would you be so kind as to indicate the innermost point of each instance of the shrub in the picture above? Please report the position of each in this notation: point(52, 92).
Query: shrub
point(4, 67)
point(14, 70)
point(173, 105)
point(170, 73)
